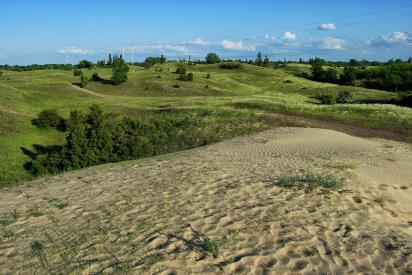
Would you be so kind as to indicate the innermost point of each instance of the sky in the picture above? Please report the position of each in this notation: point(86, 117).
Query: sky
point(66, 31)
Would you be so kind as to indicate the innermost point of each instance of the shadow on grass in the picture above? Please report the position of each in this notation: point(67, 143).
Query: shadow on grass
point(37, 151)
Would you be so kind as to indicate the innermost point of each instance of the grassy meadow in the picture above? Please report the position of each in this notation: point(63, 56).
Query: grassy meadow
point(229, 103)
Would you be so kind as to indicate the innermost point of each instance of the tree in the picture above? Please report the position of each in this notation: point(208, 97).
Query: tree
point(110, 61)
point(85, 64)
point(101, 63)
point(266, 61)
point(348, 75)
point(162, 59)
point(119, 71)
point(212, 58)
point(258, 60)
point(317, 70)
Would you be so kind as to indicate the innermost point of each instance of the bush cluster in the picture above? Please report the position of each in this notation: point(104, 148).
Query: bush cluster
point(98, 137)
point(229, 66)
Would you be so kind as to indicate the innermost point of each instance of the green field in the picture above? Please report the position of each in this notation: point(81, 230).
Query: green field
point(230, 103)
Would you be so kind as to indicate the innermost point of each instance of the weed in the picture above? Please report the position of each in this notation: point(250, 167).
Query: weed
point(352, 164)
point(36, 247)
point(232, 185)
point(6, 233)
point(212, 247)
point(58, 203)
point(381, 198)
point(35, 211)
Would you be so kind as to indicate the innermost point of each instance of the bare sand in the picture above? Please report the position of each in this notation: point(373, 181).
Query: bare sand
point(164, 215)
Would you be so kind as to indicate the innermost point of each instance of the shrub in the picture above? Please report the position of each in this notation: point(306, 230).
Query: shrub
point(181, 70)
point(83, 80)
point(229, 66)
point(176, 86)
point(85, 64)
point(98, 138)
point(212, 58)
point(183, 77)
point(344, 97)
point(77, 72)
point(190, 77)
point(49, 119)
point(96, 77)
point(208, 76)
point(326, 99)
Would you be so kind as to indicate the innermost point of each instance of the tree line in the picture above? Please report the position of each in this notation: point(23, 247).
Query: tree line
point(390, 76)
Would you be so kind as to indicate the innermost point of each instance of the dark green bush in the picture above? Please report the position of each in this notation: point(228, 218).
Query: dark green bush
point(99, 137)
point(212, 58)
point(229, 66)
point(49, 119)
point(208, 76)
point(190, 77)
point(180, 70)
point(326, 99)
point(344, 97)
point(96, 77)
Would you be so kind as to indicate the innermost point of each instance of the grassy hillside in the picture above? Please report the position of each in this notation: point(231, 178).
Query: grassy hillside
point(231, 102)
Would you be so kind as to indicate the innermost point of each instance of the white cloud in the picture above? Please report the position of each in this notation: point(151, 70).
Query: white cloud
point(327, 27)
point(395, 37)
point(159, 47)
point(2, 56)
point(392, 39)
point(332, 43)
point(198, 42)
point(236, 45)
point(289, 36)
point(271, 38)
point(74, 50)
point(232, 45)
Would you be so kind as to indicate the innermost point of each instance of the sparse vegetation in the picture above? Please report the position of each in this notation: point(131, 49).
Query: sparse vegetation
point(381, 199)
point(311, 181)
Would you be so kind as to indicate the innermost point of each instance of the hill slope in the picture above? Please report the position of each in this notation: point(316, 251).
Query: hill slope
point(220, 209)
point(248, 99)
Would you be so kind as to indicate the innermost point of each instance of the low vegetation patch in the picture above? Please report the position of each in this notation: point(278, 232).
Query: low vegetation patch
point(311, 181)
point(229, 66)
point(381, 199)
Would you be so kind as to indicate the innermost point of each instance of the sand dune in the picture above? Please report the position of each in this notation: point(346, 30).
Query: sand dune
point(170, 214)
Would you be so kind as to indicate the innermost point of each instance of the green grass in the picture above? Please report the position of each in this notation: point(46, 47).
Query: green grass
point(230, 103)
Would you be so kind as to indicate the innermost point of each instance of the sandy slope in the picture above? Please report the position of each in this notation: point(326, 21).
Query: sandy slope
point(154, 215)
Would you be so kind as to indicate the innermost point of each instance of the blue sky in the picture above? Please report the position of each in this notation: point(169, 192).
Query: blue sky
point(46, 31)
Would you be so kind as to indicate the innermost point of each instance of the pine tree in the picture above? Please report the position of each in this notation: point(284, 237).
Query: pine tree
point(266, 61)
point(110, 61)
point(119, 71)
point(258, 60)
point(76, 146)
